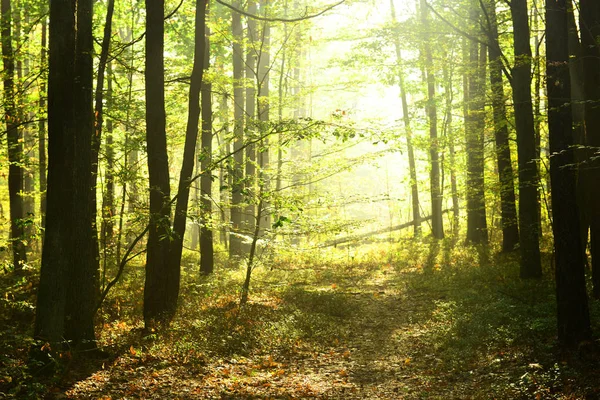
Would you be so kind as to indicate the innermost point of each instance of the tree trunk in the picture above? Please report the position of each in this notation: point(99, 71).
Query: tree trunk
point(263, 111)
point(159, 302)
point(408, 130)
point(589, 21)
point(531, 266)
point(474, 131)
point(253, 42)
point(206, 232)
point(235, 241)
point(508, 208)
point(56, 257)
point(437, 225)
point(82, 295)
point(42, 132)
point(578, 111)
point(572, 306)
point(15, 145)
point(68, 290)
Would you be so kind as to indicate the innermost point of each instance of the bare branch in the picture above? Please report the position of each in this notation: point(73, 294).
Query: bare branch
point(298, 19)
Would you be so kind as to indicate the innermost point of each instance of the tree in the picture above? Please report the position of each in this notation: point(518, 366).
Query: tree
point(206, 232)
point(160, 296)
point(589, 21)
point(67, 293)
point(235, 241)
point(165, 244)
point(508, 209)
point(531, 265)
point(474, 133)
point(408, 131)
point(13, 140)
point(572, 307)
point(437, 225)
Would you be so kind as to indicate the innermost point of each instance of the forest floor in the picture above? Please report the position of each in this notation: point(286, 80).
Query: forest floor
point(420, 321)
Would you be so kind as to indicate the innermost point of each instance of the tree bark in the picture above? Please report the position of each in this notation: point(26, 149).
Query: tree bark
point(15, 145)
point(437, 225)
point(159, 302)
point(589, 22)
point(206, 230)
point(251, 118)
point(474, 131)
point(68, 288)
point(508, 208)
point(572, 306)
point(531, 266)
point(235, 241)
point(414, 190)
point(42, 131)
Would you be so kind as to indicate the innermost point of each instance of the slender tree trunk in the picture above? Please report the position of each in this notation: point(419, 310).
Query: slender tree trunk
point(448, 88)
point(225, 181)
point(263, 111)
point(474, 131)
point(572, 305)
point(159, 304)
point(531, 266)
point(437, 225)
point(29, 140)
point(408, 129)
point(15, 145)
point(42, 131)
point(108, 199)
point(508, 209)
point(235, 241)
point(251, 125)
point(206, 233)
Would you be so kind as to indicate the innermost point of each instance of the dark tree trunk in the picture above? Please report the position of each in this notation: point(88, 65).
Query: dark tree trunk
point(408, 130)
point(189, 149)
point(235, 241)
point(531, 266)
point(159, 302)
point(437, 225)
point(589, 21)
point(56, 257)
point(578, 110)
point(82, 295)
point(206, 233)
point(508, 208)
point(67, 293)
point(572, 305)
point(15, 145)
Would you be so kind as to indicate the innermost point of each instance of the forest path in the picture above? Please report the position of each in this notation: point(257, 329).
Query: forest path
point(367, 330)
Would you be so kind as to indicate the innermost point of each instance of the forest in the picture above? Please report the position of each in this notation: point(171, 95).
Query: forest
point(292, 199)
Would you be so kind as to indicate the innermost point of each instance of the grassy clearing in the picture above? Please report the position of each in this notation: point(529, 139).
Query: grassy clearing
point(420, 320)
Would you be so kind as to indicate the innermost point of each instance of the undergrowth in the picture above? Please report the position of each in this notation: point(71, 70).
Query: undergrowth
point(417, 320)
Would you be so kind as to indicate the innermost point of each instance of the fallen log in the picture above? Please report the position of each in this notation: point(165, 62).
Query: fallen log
point(352, 238)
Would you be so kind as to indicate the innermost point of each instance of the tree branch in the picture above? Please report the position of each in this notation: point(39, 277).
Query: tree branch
point(298, 19)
